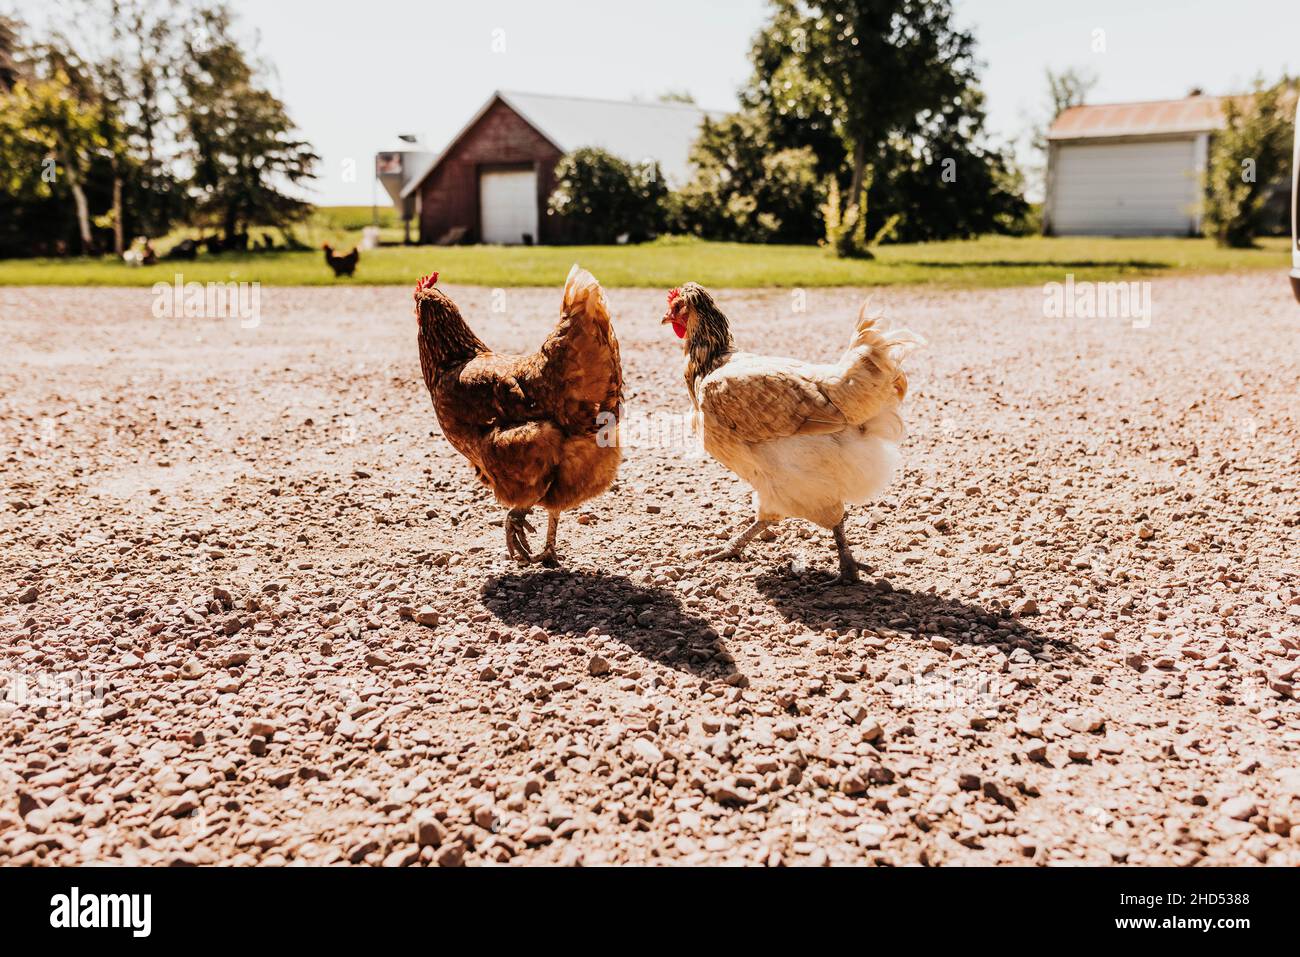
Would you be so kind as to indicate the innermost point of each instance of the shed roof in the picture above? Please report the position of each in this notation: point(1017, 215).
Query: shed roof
point(664, 132)
point(1195, 114)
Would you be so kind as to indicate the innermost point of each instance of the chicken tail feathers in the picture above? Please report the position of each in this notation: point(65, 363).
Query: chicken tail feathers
point(583, 297)
point(582, 353)
point(867, 334)
point(874, 376)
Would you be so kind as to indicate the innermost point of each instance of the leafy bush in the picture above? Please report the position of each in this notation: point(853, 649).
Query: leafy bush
point(602, 198)
point(1248, 156)
point(744, 191)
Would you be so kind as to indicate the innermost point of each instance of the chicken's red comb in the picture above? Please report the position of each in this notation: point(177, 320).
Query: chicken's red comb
point(426, 283)
point(672, 296)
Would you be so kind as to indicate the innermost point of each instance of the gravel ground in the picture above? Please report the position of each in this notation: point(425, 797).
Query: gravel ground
point(255, 609)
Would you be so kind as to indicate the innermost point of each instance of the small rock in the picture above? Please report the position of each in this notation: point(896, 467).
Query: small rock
point(1030, 725)
point(1241, 808)
point(403, 857)
point(1025, 608)
point(853, 783)
point(538, 835)
point(646, 751)
point(428, 830)
point(199, 780)
point(726, 793)
point(264, 727)
point(871, 835)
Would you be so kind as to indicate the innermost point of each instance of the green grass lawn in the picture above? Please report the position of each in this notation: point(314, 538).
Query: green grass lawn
point(989, 261)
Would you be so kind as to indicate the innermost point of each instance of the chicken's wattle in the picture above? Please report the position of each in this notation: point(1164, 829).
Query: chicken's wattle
point(680, 329)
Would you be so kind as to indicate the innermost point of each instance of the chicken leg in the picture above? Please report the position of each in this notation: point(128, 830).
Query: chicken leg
point(848, 564)
point(737, 545)
point(547, 555)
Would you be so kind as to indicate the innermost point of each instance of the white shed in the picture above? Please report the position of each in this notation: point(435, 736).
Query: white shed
point(1129, 169)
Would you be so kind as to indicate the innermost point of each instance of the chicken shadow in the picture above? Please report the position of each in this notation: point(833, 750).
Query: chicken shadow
point(873, 605)
point(651, 622)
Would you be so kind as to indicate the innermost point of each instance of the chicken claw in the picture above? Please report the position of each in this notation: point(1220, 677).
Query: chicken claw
point(721, 554)
point(734, 547)
point(516, 541)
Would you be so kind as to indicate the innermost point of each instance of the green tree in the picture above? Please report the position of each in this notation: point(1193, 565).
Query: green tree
point(944, 181)
point(130, 48)
point(1249, 155)
point(744, 190)
point(860, 72)
point(113, 59)
point(602, 198)
point(241, 142)
point(8, 49)
point(51, 136)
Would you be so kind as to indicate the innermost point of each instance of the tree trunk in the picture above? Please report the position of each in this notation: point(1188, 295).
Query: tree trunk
point(852, 241)
point(119, 234)
point(83, 210)
point(859, 173)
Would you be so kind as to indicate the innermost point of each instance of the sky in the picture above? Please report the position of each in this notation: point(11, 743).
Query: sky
point(354, 75)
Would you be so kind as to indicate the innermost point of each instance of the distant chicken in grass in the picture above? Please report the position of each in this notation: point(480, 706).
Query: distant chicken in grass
point(809, 437)
point(343, 264)
point(541, 430)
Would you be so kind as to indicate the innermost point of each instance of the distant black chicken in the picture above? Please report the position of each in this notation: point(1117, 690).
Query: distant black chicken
point(343, 265)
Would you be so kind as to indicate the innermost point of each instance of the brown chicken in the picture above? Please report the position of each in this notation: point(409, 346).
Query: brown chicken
point(541, 429)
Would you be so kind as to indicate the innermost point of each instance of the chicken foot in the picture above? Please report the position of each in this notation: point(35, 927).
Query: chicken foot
point(737, 545)
point(848, 564)
point(516, 541)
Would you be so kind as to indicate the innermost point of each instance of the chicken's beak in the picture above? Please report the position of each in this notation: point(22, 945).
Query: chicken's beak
point(668, 317)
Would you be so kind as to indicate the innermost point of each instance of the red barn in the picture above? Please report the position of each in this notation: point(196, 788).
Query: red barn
point(492, 182)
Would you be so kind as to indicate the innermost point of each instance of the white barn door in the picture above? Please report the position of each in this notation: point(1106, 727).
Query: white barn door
point(1138, 189)
point(508, 206)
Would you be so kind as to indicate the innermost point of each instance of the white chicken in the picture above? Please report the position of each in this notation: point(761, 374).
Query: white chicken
point(808, 437)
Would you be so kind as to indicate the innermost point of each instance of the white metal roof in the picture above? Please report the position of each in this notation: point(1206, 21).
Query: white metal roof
point(636, 132)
